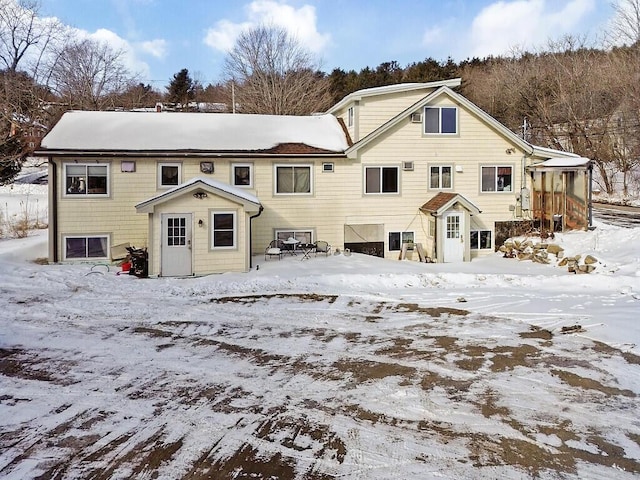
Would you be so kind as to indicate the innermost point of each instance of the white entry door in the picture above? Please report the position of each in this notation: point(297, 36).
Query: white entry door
point(453, 237)
point(176, 245)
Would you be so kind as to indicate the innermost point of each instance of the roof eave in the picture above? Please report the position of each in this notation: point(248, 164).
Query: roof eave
point(178, 153)
point(148, 206)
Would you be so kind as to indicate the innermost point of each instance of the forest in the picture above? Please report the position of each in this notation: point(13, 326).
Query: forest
point(573, 95)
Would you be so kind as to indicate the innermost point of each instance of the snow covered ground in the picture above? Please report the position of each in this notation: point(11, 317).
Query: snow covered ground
point(340, 367)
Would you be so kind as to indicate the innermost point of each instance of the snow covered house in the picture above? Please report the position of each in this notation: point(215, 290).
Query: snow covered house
point(410, 170)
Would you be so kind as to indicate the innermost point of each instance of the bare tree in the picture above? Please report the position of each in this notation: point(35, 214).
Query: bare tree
point(88, 75)
point(274, 74)
point(625, 26)
point(26, 39)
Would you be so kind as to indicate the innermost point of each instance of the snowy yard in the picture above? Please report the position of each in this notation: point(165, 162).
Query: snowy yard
point(340, 367)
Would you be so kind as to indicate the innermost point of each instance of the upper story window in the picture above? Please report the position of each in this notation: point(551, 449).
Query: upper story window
point(497, 178)
point(169, 174)
point(440, 177)
point(441, 120)
point(242, 174)
point(293, 179)
point(382, 180)
point(223, 230)
point(86, 179)
point(350, 116)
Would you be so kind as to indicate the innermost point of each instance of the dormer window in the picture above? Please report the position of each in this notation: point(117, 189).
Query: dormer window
point(441, 120)
point(350, 116)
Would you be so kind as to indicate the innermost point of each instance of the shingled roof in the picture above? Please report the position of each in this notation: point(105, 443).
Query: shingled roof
point(194, 132)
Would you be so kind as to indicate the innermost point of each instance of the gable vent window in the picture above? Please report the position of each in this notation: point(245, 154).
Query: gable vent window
point(407, 166)
point(416, 118)
point(327, 167)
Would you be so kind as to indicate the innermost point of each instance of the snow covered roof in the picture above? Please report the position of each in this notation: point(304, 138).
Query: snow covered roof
point(203, 132)
point(566, 162)
point(569, 163)
point(213, 186)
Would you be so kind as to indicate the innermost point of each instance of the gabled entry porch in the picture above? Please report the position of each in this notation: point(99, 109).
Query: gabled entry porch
point(198, 228)
point(452, 213)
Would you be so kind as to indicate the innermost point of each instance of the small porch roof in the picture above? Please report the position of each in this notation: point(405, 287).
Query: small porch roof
point(206, 186)
point(444, 201)
point(561, 164)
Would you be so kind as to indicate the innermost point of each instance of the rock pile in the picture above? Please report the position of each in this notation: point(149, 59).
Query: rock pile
point(542, 252)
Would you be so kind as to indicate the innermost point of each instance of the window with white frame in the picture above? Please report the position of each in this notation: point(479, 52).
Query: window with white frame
point(480, 239)
point(169, 174)
point(440, 176)
point(350, 116)
point(497, 178)
point(441, 120)
point(242, 174)
point(81, 247)
point(396, 239)
point(223, 230)
point(293, 179)
point(303, 236)
point(86, 179)
point(382, 180)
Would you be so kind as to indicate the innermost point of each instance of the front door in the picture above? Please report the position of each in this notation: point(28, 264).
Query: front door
point(176, 245)
point(453, 237)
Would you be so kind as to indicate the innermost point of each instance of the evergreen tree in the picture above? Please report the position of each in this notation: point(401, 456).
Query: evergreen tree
point(182, 88)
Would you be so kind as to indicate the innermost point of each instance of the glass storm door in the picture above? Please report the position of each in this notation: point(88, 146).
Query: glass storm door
point(453, 237)
point(176, 245)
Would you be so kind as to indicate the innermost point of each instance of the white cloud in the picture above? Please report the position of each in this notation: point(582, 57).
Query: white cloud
point(299, 22)
point(523, 23)
point(130, 57)
point(433, 36)
point(156, 48)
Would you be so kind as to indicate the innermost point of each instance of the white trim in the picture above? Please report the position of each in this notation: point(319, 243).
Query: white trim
point(292, 165)
point(440, 108)
point(160, 185)
point(233, 174)
point(86, 237)
point(212, 214)
point(380, 167)
point(84, 180)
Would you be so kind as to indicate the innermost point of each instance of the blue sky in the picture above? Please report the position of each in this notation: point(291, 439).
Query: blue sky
point(160, 37)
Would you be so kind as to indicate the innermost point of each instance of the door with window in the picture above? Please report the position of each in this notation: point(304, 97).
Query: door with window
point(454, 235)
point(176, 245)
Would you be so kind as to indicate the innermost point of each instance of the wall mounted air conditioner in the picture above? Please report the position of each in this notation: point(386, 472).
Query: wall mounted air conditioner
point(416, 118)
point(407, 166)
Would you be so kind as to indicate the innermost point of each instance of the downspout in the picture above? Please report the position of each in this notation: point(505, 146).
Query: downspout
point(53, 229)
point(590, 195)
point(250, 236)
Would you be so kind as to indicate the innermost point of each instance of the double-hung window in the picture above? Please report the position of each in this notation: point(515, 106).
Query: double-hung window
point(497, 178)
point(86, 179)
point(441, 120)
point(480, 239)
point(382, 180)
point(242, 175)
point(293, 179)
point(169, 175)
point(223, 230)
point(80, 247)
point(396, 239)
point(440, 177)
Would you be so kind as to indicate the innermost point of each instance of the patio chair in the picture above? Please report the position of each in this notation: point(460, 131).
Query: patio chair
point(323, 247)
point(275, 249)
